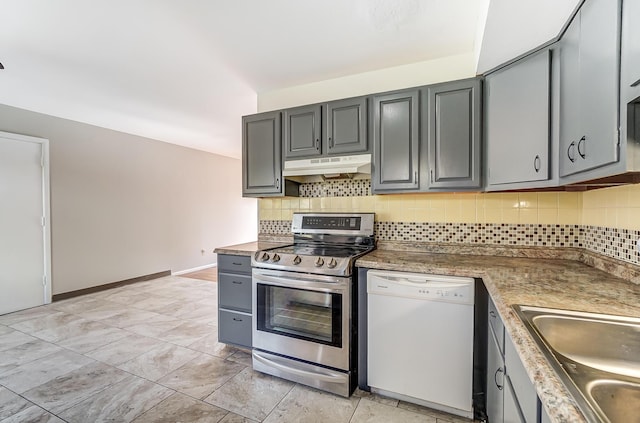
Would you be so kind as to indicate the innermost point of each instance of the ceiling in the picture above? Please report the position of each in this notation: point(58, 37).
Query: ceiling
point(184, 71)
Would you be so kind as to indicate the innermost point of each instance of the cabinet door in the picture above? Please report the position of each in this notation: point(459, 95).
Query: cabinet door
point(453, 119)
point(346, 126)
point(630, 71)
point(569, 97)
point(396, 142)
point(302, 131)
point(495, 381)
point(517, 121)
point(261, 155)
point(511, 409)
point(592, 88)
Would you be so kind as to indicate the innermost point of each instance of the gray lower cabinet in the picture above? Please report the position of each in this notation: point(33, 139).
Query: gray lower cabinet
point(396, 143)
point(262, 157)
point(589, 103)
point(234, 300)
point(453, 121)
point(302, 131)
point(511, 396)
point(335, 128)
point(518, 123)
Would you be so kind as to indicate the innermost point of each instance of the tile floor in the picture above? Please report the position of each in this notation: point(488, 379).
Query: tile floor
point(149, 352)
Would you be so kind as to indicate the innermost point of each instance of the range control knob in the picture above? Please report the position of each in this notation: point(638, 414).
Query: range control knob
point(319, 262)
point(332, 263)
point(275, 258)
point(264, 257)
point(297, 260)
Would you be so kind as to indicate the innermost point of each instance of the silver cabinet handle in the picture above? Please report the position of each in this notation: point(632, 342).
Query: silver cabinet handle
point(277, 183)
point(536, 164)
point(415, 177)
point(635, 84)
point(582, 142)
point(495, 378)
point(317, 144)
point(330, 142)
point(571, 149)
point(431, 175)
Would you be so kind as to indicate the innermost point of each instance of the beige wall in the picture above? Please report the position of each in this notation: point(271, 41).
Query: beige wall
point(413, 75)
point(123, 206)
point(617, 207)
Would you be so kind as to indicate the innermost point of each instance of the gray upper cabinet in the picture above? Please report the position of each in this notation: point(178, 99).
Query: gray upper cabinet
point(453, 118)
point(302, 132)
point(630, 71)
point(346, 126)
point(396, 131)
point(261, 155)
point(517, 121)
point(589, 103)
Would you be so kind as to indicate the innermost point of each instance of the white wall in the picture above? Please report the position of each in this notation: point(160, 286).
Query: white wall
point(124, 206)
point(413, 75)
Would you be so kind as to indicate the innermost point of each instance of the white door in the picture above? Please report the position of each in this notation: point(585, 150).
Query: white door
point(23, 209)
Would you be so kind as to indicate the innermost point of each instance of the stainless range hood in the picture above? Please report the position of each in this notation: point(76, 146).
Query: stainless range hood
point(329, 167)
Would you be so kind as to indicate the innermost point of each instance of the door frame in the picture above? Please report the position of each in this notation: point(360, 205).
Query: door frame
point(46, 206)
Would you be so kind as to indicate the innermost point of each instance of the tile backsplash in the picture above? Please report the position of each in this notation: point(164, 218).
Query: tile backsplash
point(606, 221)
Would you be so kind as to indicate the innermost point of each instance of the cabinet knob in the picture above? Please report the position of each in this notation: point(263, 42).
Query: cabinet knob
point(581, 145)
point(536, 163)
point(571, 150)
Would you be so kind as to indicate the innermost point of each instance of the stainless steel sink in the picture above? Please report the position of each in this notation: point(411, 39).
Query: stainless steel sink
point(597, 356)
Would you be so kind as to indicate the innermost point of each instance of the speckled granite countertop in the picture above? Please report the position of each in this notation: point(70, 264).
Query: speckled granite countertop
point(564, 284)
point(249, 248)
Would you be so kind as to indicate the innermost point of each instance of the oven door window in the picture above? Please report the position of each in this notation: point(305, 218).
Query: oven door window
point(297, 313)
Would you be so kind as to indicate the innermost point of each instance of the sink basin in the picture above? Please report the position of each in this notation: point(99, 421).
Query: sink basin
point(597, 357)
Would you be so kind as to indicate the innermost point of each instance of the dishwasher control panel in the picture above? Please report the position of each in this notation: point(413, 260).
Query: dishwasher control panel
point(421, 286)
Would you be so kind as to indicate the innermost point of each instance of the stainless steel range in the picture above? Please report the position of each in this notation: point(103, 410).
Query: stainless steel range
point(304, 301)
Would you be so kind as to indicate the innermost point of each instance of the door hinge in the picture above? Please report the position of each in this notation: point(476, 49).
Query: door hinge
point(44, 280)
point(42, 157)
point(42, 221)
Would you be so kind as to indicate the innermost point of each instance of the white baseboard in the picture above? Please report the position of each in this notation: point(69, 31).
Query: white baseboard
point(194, 269)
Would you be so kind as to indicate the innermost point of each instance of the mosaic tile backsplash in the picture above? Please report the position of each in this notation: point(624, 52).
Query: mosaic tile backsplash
point(604, 221)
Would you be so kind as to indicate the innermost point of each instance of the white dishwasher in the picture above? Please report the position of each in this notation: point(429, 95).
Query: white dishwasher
point(420, 339)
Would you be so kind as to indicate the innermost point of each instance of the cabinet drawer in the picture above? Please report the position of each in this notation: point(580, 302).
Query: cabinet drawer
point(496, 325)
point(234, 291)
point(234, 264)
point(234, 328)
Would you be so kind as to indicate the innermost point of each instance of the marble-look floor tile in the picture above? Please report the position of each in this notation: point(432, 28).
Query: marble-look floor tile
point(153, 303)
point(304, 404)
point(50, 321)
point(210, 345)
point(201, 376)
point(77, 304)
point(76, 327)
point(128, 317)
point(11, 403)
point(5, 329)
point(375, 397)
point(242, 357)
point(375, 412)
point(250, 394)
point(69, 389)
point(28, 314)
point(236, 418)
point(33, 414)
point(155, 329)
point(126, 297)
point(186, 334)
point(441, 416)
point(103, 311)
point(24, 353)
point(183, 409)
point(159, 361)
point(121, 402)
point(124, 349)
point(40, 371)
point(13, 339)
point(96, 338)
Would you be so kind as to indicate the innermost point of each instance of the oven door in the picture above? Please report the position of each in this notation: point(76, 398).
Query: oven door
point(302, 316)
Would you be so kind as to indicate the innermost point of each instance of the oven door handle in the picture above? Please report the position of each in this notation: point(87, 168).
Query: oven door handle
point(293, 282)
point(318, 376)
